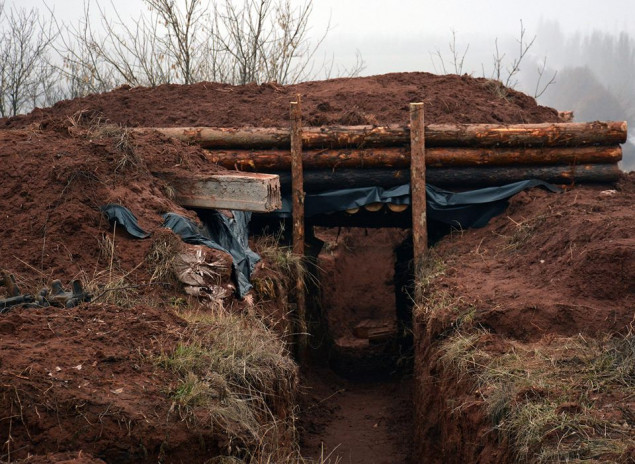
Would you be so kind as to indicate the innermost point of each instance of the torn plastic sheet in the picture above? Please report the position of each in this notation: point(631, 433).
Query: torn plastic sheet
point(124, 217)
point(229, 235)
point(221, 233)
point(473, 208)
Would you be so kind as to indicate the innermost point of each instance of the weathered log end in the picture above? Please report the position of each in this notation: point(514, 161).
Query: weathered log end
point(244, 191)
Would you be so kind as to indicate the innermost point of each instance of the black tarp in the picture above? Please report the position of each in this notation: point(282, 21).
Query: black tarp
point(124, 217)
point(222, 233)
point(472, 208)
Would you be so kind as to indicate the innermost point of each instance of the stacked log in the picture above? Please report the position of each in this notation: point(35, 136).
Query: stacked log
point(457, 155)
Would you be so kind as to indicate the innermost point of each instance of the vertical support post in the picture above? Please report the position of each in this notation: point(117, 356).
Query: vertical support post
point(418, 188)
point(297, 191)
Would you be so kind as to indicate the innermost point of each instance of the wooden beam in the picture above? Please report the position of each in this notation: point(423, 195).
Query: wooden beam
point(418, 188)
point(437, 135)
point(297, 193)
point(245, 191)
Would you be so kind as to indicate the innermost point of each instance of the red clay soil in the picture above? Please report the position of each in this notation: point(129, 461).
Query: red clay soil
point(84, 380)
point(552, 265)
point(357, 267)
point(78, 457)
point(558, 264)
point(380, 99)
point(355, 422)
point(351, 422)
point(53, 185)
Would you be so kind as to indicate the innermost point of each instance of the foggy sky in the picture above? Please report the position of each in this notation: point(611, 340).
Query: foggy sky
point(398, 35)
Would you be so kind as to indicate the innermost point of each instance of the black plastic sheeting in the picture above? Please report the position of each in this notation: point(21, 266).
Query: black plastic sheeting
point(124, 217)
point(221, 233)
point(459, 209)
point(229, 235)
point(473, 208)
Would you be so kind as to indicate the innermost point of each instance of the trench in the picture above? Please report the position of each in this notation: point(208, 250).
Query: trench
point(356, 401)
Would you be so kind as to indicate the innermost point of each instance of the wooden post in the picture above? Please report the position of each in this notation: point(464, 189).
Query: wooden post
point(297, 189)
point(418, 188)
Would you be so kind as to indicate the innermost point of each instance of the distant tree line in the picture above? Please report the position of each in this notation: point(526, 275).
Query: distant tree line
point(595, 77)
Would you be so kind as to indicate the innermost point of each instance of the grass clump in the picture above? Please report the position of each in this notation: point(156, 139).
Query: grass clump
point(560, 400)
point(284, 264)
point(96, 128)
point(165, 247)
point(235, 374)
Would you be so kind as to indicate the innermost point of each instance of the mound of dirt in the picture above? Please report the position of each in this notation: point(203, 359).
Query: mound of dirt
point(54, 183)
point(553, 264)
point(380, 99)
point(86, 381)
point(121, 384)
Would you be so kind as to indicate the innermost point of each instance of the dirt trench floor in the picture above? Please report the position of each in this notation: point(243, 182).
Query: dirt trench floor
point(356, 422)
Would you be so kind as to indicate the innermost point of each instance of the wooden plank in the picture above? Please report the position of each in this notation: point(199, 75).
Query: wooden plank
point(297, 193)
point(418, 188)
point(455, 135)
point(244, 191)
point(279, 160)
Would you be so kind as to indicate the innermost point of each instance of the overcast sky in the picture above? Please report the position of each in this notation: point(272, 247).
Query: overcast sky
point(399, 35)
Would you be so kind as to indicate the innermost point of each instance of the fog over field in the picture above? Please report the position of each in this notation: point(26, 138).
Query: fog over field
point(575, 55)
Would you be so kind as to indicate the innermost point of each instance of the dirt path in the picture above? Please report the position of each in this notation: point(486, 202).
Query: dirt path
point(357, 422)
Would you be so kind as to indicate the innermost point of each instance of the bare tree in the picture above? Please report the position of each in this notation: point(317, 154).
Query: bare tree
point(266, 40)
point(184, 34)
point(25, 74)
point(540, 90)
point(178, 41)
point(118, 52)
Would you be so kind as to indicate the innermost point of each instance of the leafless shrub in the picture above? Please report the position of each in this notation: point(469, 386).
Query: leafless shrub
point(457, 59)
point(235, 41)
point(509, 75)
point(26, 78)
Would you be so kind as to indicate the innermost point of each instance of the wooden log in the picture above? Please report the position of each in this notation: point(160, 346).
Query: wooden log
point(374, 207)
point(454, 178)
point(466, 135)
point(245, 191)
point(545, 134)
point(279, 160)
point(418, 190)
point(397, 208)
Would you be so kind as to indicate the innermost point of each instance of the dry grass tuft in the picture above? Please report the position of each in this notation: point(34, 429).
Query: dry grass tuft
point(165, 247)
point(523, 232)
point(97, 129)
point(562, 400)
point(426, 301)
point(285, 264)
point(236, 373)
